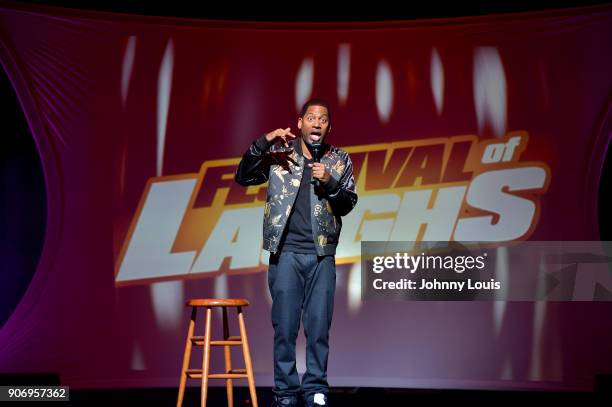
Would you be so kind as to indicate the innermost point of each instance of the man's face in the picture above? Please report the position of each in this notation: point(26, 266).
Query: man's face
point(314, 125)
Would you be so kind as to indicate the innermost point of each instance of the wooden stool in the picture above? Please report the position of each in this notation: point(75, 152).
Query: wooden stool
point(227, 341)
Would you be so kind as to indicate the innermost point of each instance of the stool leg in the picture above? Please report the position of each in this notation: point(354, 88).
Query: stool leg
point(228, 361)
point(247, 357)
point(206, 361)
point(186, 357)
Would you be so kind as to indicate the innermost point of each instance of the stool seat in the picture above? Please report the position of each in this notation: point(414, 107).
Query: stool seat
point(218, 302)
point(206, 343)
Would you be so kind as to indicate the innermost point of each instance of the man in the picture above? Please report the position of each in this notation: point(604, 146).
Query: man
point(302, 223)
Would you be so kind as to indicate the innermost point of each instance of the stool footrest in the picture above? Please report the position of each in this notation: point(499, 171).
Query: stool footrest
point(227, 376)
point(233, 374)
point(231, 341)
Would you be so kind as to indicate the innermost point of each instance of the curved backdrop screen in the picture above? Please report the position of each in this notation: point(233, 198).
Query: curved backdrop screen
point(487, 128)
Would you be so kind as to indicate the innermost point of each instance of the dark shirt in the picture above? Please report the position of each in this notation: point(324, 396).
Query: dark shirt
point(298, 233)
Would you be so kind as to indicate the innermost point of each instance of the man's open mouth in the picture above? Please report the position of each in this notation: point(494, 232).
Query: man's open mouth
point(315, 136)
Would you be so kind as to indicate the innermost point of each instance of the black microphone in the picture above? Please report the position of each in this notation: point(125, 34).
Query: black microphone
point(316, 150)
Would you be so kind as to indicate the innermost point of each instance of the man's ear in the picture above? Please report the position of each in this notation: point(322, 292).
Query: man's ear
point(299, 124)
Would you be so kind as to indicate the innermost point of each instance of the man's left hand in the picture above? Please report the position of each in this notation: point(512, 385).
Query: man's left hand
point(320, 172)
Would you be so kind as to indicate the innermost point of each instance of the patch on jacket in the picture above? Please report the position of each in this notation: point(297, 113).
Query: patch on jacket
point(339, 167)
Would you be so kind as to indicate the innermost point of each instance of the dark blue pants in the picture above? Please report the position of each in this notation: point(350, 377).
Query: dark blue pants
point(302, 287)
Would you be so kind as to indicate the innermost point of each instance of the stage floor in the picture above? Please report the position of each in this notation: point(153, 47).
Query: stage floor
point(356, 396)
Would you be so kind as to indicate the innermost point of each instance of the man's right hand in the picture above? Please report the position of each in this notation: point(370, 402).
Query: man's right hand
point(283, 134)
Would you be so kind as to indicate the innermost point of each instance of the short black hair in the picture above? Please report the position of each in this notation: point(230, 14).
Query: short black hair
point(316, 102)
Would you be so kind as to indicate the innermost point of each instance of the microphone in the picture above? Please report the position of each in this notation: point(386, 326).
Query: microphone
point(316, 150)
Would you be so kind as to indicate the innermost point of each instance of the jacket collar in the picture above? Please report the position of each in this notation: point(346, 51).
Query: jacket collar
point(298, 147)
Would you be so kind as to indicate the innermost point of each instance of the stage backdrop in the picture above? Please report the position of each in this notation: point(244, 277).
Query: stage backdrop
point(489, 128)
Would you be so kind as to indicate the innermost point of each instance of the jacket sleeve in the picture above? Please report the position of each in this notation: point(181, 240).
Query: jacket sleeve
point(341, 193)
point(254, 166)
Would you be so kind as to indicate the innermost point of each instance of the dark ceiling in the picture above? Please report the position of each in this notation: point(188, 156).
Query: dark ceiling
point(316, 10)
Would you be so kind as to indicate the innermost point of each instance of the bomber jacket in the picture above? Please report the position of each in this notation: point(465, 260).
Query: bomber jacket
point(283, 167)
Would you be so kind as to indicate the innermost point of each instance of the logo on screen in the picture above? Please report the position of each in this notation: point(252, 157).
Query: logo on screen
point(440, 189)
